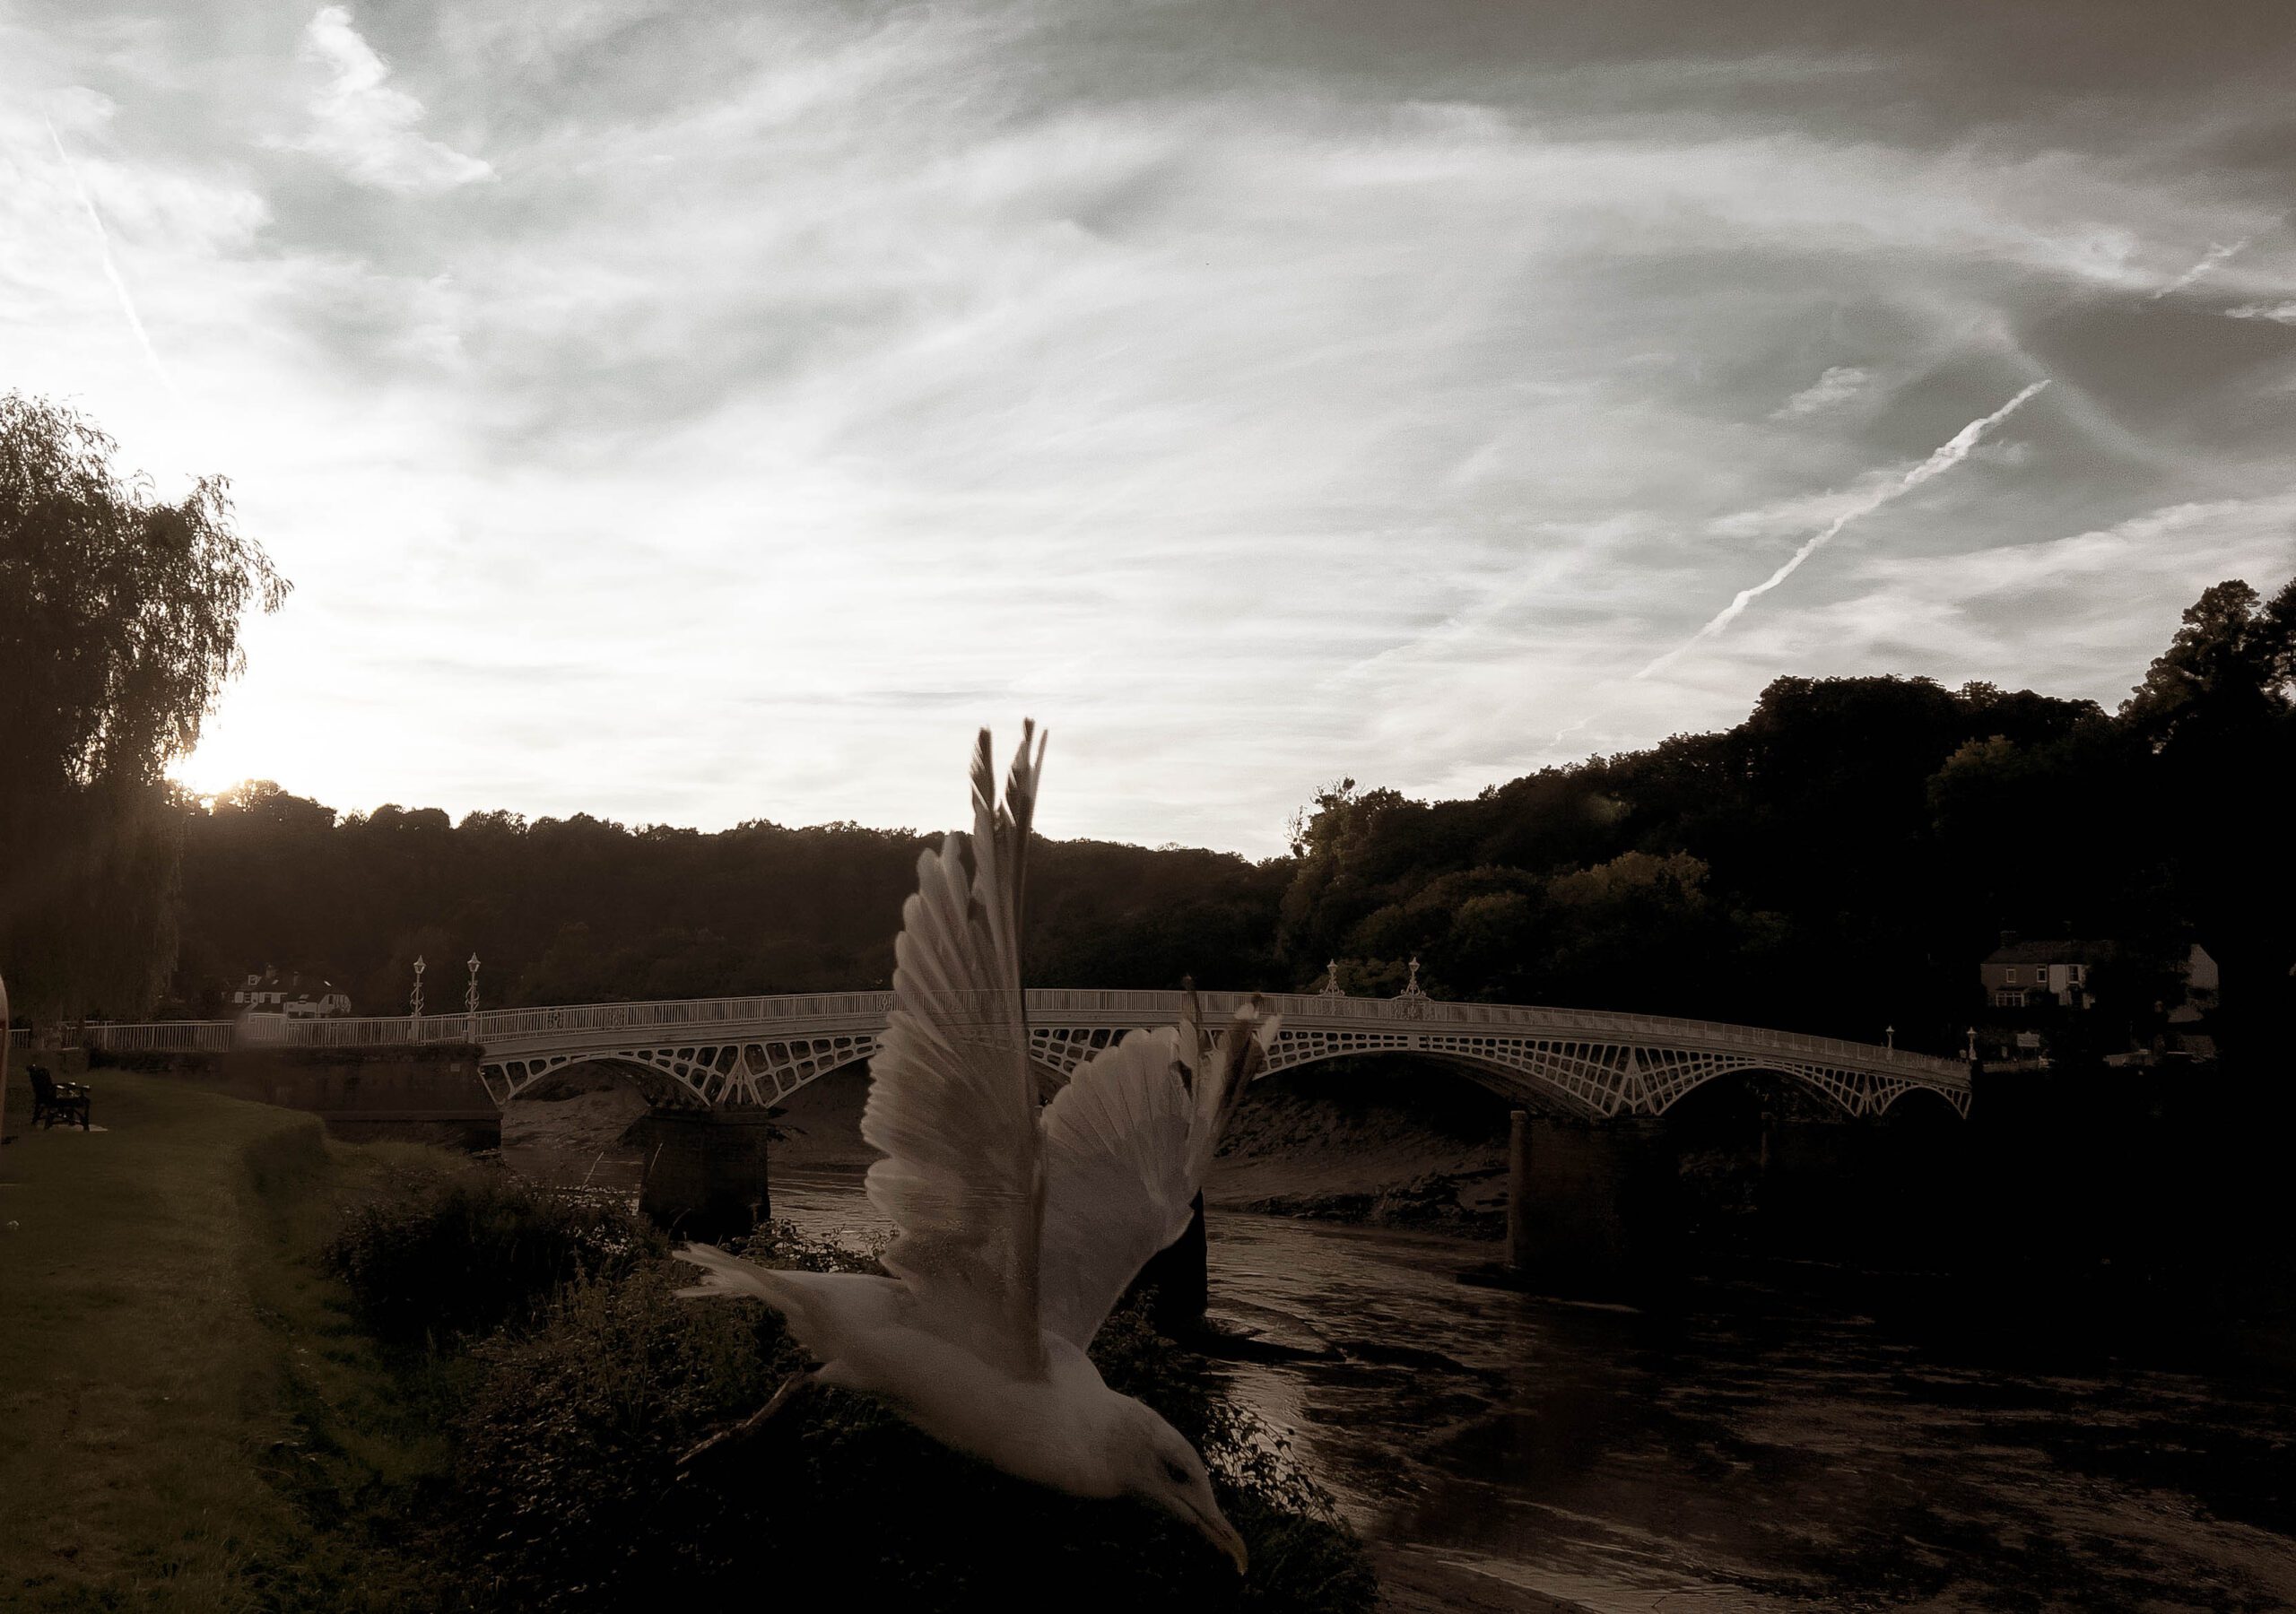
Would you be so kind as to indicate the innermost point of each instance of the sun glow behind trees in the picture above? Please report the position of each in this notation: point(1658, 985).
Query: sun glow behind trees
point(120, 625)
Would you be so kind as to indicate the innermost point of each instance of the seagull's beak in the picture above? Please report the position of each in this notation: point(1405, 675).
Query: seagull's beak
point(1223, 1536)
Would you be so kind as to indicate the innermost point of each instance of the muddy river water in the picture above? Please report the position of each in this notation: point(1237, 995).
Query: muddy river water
point(1754, 1451)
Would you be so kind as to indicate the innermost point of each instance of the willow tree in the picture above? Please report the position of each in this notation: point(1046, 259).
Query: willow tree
point(119, 626)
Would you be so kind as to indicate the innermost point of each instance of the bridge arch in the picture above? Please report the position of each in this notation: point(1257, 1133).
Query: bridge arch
point(1597, 1083)
point(641, 1075)
point(712, 1074)
point(1917, 1103)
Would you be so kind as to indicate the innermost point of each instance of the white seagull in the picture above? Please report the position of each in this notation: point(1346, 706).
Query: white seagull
point(1018, 1226)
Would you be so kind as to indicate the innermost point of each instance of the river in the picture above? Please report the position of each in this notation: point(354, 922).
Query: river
point(1754, 1451)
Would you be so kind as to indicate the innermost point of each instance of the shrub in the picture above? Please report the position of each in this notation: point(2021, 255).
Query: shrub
point(449, 1260)
point(567, 1490)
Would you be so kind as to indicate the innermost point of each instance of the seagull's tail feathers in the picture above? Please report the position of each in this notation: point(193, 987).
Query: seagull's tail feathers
point(824, 1310)
point(723, 1274)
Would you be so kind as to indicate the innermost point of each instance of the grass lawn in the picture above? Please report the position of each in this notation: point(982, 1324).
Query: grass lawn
point(187, 1418)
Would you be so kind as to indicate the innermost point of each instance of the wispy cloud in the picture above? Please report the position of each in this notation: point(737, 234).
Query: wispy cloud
point(2216, 253)
point(1838, 386)
point(2285, 313)
point(1251, 403)
point(1950, 453)
point(111, 268)
point(364, 125)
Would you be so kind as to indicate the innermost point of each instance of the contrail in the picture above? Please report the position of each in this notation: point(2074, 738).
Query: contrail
point(1568, 729)
point(111, 269)
point(2215, 255)
point(1944, 459)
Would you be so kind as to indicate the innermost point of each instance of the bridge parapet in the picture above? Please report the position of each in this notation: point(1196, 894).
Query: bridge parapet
point(758, 1050)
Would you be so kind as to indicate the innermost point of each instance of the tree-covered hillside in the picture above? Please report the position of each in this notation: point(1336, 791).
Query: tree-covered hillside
point(581, 910)
point(1837, 863)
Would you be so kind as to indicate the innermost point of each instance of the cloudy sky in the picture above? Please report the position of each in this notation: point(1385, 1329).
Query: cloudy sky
point(692, 413)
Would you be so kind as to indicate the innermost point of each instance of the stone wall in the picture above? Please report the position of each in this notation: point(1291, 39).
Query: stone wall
point(429, 1095)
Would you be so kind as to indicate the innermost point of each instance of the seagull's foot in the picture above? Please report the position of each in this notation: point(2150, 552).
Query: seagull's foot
point(725, 1442)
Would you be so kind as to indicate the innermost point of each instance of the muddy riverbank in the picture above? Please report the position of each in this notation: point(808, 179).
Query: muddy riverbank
point(1335, 1146)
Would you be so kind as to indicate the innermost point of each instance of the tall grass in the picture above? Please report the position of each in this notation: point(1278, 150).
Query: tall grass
point(451, 1260)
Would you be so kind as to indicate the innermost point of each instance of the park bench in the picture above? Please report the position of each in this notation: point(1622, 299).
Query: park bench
point(54, 1100)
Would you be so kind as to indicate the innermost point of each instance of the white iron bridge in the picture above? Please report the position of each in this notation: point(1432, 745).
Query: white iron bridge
point(760, 1050)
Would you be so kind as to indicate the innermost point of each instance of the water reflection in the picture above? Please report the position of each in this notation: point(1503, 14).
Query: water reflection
point(1758, 1451)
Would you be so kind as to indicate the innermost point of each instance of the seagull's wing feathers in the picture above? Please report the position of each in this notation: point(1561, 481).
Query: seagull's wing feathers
point(951, 1097)
point(1126, 1145)
point(1117, 1188)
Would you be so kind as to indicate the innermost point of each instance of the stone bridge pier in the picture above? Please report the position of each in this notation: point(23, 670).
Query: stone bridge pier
point(1593, 1207)
point(1601, 1209)
point(706, 1171)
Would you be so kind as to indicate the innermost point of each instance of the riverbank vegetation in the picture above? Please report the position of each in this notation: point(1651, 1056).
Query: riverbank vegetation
point(1837, 863)
point(249, 1367)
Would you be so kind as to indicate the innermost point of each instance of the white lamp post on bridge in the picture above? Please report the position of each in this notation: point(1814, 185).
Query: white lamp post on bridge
point(470, 996)
point(414, 998)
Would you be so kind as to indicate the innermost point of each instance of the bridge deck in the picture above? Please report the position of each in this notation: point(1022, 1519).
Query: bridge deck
point(758, 1049)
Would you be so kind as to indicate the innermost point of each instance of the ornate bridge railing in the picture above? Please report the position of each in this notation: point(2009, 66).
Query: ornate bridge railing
point(757, 1050)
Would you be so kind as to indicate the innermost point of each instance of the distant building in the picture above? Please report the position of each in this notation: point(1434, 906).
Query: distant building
point(2200, 988)
point(2016, 973)
point(293, 995)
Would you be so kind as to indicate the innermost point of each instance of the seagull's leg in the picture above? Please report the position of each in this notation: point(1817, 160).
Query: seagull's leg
point(723, 1443)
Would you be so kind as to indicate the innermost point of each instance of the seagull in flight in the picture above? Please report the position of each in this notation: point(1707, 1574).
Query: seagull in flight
point(1019, 1226)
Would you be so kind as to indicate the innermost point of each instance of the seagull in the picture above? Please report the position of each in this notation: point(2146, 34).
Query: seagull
point(1018, 1226)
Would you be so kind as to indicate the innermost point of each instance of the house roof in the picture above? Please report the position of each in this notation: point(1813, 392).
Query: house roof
point(272, 979)
point(2064, 950)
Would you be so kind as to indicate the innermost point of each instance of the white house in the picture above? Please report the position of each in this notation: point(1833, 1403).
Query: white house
point(292, 995)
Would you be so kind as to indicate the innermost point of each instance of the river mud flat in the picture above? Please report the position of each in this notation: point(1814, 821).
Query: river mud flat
point(1334, 1148)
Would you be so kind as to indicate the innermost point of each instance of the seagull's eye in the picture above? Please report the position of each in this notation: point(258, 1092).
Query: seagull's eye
point(1179, 1475)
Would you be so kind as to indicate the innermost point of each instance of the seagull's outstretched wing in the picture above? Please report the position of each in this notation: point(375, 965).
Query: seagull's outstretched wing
point(953, 1101)
point(1126, 1143)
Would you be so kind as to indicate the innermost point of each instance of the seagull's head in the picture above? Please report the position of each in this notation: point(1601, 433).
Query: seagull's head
point(1160, 1468)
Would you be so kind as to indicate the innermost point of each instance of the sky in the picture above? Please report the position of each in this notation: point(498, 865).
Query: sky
point(692, 413)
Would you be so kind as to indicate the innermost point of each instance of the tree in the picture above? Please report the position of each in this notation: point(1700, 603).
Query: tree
point(120, 625)
point(2217, 710)
point(2228, 674)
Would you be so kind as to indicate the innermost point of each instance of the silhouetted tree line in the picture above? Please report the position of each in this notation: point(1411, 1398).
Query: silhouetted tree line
point(583, 911)
point(1837, 863)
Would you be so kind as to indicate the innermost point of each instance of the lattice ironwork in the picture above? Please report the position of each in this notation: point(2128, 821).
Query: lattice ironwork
point(1060, 1049)
point(712, 1074)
